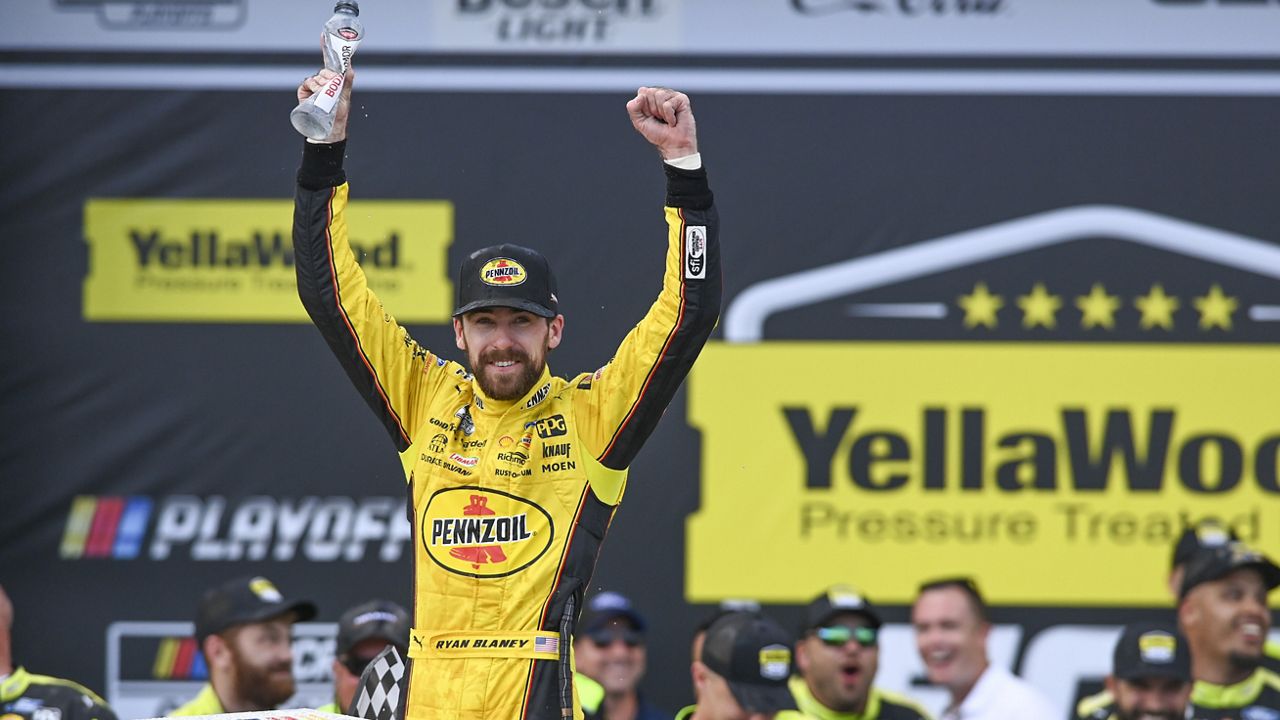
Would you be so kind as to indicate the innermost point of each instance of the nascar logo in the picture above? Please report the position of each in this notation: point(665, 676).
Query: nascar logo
point(99, 527)
point(314, 528)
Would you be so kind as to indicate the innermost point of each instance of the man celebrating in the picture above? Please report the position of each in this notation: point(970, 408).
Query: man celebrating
point(514, 474)
point(1150, 677)
point(1223, 611)
point(243, 629)
point(610, 649)
point(951, 623)
point(838, 655)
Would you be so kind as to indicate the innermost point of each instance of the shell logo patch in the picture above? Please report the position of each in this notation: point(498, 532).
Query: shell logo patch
point(502, 272)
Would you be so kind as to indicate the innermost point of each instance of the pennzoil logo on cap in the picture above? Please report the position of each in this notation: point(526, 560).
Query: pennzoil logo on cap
point(503, 272)
point(1157, 647)
point(775, 662)
point(263, 588)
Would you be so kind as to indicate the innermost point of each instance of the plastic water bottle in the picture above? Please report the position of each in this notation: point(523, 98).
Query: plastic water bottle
point(314, 116)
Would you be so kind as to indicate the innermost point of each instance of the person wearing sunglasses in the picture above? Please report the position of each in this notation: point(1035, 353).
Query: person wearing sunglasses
point(951, 623)
point(363, 632)
point(609, 648)
point(837, 656)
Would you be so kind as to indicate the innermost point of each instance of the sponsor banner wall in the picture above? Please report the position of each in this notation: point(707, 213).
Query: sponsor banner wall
point(966, 333)
point(797, 28)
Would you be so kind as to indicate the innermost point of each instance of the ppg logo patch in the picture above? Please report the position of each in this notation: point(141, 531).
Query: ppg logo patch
point(695, 252)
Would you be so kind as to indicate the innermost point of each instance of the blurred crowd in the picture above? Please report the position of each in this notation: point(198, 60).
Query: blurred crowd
point(1213, 663)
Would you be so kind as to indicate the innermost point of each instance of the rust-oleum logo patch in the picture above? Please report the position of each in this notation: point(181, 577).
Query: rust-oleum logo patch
point(480, 532)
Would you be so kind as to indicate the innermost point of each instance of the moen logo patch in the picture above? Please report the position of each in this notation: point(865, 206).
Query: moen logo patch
point(1095, 409)
point(502, 271)
point(480, 532)
point(232, 260)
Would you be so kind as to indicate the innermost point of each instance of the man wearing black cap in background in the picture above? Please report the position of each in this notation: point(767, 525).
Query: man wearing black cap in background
point(838, 655)
point(363, 632)
point(1206, 535)
point(1150, 677)
point(1223, 612)
point(609, 648)
point(513, 474)
point(746, 660)
point(243, 629)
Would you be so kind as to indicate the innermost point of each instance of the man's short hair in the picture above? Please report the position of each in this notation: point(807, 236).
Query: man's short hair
point(966, 585)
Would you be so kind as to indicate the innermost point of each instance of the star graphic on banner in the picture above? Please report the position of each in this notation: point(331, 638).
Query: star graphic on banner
point(1039, 307)
point(1215, 308)
point(1157, 308)
point(980, 306)
point(1098, 308)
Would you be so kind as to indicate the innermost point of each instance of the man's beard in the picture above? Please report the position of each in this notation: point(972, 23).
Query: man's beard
point(507, 389)
point(257, 686)
point(1243, 662)
point(1169, 715)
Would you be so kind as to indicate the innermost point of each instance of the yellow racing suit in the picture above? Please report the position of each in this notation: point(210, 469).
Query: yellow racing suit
point(510, 500)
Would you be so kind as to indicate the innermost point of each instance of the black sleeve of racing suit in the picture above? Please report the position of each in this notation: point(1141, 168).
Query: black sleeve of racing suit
point(321, 179)
point(689, 195)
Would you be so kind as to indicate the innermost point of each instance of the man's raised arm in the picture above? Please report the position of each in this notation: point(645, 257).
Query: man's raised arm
point(380, 358)
point(632, 392)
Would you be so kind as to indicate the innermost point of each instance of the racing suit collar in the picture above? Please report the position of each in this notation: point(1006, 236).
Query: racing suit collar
point(1240, 694)
point(14, 684)
point(538, 393)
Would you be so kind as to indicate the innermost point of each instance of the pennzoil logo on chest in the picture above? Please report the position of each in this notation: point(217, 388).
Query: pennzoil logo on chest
point(479, 532)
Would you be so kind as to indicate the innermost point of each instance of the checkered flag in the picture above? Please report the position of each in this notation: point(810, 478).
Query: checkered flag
point(381, 683)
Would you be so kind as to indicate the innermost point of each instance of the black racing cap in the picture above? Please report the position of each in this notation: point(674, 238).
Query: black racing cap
point(380, 619)
point(837, 600)
point(1211, 564)
point(1148, 650)
point(1208, 533)
point(753, 654)
point(507, 276)
point(246, 600)
point(606, 606)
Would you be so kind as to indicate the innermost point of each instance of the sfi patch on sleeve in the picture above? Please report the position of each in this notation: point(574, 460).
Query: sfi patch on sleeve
point(695, 252)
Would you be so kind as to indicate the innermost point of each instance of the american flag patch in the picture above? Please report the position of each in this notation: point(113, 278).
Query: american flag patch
point(546, 644)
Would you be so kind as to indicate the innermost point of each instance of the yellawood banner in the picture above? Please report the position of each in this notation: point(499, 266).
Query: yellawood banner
point(232, 260)
point(1054, 473)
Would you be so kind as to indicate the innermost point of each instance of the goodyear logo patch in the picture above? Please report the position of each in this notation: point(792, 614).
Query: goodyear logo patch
point(502, 272)
point(484, 533)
